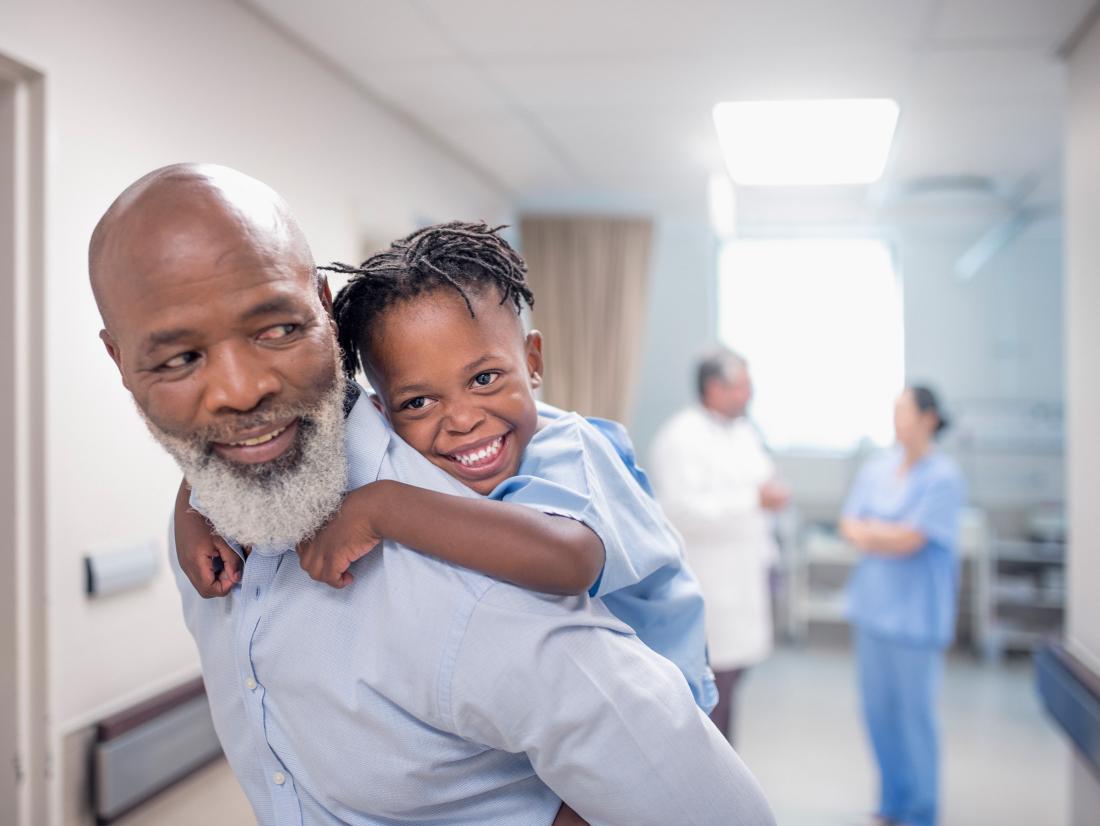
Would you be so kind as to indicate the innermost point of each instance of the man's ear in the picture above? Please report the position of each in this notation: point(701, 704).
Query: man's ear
point(533, 346)
point(324, 292)
point(114, 352)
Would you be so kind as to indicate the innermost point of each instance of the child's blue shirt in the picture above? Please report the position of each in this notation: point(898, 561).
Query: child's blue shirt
point(585, 470)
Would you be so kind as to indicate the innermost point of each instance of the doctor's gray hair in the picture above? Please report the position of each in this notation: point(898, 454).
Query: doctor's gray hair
point(718, 363)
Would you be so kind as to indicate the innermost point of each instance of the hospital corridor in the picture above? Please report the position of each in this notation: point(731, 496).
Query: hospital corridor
point(596, 411)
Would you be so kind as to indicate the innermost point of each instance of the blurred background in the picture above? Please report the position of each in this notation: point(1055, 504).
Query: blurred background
point(959, 251)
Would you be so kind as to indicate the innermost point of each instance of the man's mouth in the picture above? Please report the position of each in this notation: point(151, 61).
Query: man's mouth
point(259, 440)
point(264, 446)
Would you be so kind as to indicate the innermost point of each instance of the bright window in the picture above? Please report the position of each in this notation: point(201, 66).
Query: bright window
point(820, 322)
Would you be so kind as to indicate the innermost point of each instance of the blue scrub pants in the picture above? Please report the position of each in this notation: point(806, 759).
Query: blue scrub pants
point(899, 684)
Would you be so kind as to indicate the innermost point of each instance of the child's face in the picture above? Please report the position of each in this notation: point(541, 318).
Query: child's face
point(459, 389)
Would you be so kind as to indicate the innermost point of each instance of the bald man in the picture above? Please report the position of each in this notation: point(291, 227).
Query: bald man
point(421, 693)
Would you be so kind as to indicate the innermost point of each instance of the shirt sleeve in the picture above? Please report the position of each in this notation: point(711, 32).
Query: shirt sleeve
point(856, 503)
point(607, 724)
point(574, 470)
point(935, 511)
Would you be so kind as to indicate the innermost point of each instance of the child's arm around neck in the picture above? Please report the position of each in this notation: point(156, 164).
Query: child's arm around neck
point(515, 543)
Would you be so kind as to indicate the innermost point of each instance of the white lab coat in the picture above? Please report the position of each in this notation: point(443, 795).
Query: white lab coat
point(707, 472)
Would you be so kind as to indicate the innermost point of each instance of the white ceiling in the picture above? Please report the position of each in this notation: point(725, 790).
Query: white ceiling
point(610, 100)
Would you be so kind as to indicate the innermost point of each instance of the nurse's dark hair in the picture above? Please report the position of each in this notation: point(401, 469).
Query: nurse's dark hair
point(716, 363)
point(468, 258)
point(928, 402)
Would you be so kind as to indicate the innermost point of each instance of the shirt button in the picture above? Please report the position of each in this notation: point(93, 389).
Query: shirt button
point(251, 684)
point(279, 778)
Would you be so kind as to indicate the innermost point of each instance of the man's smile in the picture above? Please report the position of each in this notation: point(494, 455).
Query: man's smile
point(260, 444)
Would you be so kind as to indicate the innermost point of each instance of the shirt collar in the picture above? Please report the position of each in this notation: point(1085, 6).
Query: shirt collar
point(366, 440)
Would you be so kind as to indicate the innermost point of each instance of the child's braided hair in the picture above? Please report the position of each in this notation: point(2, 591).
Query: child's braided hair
point(466, 257)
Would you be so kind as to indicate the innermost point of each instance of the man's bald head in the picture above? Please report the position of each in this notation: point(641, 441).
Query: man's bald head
point(222, 332)
point(174, 211)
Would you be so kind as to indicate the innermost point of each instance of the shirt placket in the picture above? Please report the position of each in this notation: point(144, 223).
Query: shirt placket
point(259, 575)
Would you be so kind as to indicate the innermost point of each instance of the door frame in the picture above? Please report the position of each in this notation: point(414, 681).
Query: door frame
point(22, 431)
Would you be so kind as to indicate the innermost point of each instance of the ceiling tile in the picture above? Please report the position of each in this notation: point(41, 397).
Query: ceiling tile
point(1044, 21)
point(354, 31)
point(506, 145)
point(570, 28)
point(991, 75)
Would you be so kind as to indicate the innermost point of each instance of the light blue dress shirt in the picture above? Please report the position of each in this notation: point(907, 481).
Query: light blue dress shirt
point(585, 470)
point(909, 598)
point(426, 693)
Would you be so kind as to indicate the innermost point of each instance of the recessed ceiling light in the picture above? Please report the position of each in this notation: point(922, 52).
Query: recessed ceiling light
point(806, 142)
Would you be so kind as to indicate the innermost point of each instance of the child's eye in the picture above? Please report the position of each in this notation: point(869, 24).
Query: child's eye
point(419, 403)
point(486, 378)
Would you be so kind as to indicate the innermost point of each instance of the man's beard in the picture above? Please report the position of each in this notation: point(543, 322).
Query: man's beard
point(277, 503)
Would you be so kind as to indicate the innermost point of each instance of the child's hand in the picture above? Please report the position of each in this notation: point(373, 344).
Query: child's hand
point(211, 565)
point(567, 817)
point(348, 536)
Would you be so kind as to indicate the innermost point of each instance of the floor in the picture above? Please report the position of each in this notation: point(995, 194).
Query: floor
point(210, 797)
point(1004, 763)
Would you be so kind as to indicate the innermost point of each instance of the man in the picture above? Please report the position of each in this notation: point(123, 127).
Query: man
point(718, 487)
point(421, 692)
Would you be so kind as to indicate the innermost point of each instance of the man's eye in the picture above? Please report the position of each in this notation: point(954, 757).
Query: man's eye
point(182, 360)
point(278, 331)
point(486, 378)
point(419, 403)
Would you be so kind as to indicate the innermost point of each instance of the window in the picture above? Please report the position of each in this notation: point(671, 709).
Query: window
point(820, 321)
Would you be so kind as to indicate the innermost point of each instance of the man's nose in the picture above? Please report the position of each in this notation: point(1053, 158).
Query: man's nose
point(239, 379)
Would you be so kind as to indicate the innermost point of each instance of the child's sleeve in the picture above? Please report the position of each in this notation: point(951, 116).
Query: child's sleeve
point(572, 470)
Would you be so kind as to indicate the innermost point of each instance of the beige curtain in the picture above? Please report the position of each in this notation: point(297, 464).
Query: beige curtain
point(590, 276)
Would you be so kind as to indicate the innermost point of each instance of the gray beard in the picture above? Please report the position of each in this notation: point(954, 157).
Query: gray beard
point(278, 503)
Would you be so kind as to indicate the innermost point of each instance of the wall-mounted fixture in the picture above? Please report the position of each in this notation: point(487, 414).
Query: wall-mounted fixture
point(111, 570)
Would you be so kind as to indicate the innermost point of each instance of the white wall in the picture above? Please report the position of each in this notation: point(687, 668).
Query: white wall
point(1082, 177)
point(681, 323)
point(132, 85)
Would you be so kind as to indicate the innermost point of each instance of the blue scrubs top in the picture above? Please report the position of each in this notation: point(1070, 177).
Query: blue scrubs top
point(910, 598)
point(585, 470)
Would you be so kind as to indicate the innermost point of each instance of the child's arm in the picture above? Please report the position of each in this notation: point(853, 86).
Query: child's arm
point(567, 817)
point(534, 550)
point(197, 546)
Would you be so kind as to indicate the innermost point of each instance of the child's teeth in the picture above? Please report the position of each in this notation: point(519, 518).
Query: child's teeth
point(484, 453)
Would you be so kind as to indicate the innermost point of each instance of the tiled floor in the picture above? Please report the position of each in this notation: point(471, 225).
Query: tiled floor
point(1004, 764)
point(800, 733)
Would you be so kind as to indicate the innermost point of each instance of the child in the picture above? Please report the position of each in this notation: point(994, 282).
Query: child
point(435, 322)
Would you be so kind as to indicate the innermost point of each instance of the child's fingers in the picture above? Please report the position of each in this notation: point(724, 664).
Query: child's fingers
point(219, 587)
point(335, 566)
point(232, 565)
point(204, 577)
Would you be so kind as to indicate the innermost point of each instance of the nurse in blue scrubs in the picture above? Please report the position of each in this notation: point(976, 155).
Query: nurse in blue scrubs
point(903, 514)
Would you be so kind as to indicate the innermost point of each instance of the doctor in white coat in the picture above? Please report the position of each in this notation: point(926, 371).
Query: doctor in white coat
point(719, 488)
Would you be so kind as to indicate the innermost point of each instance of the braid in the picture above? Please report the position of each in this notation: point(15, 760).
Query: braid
point(465, 257)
